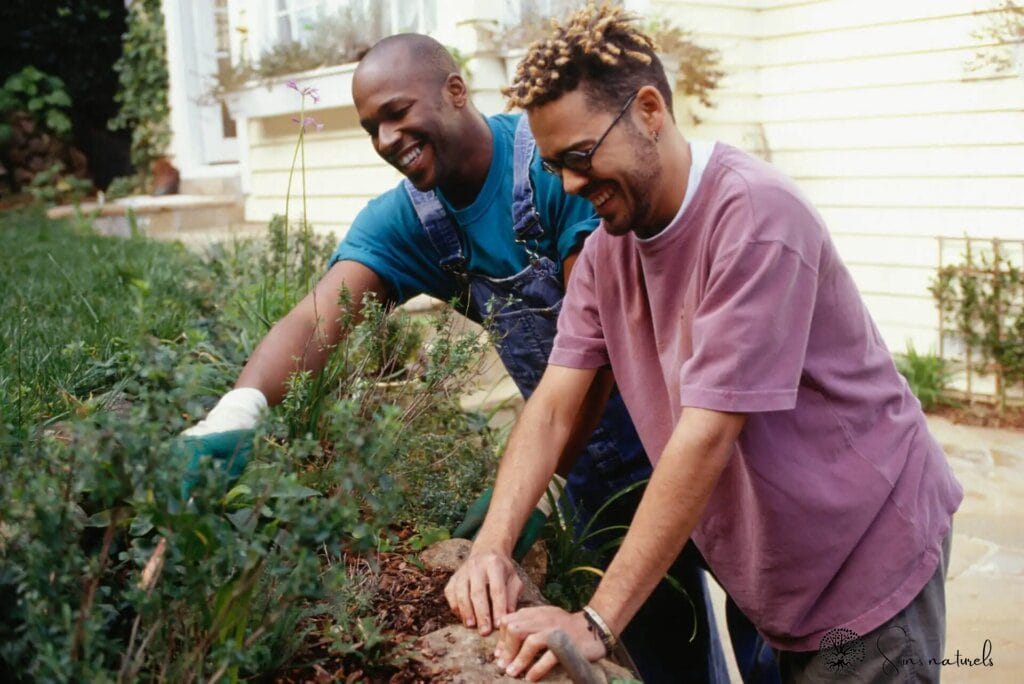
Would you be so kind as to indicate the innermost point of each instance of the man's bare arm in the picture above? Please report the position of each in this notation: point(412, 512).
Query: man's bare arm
point(487, 580)
point(304, 338)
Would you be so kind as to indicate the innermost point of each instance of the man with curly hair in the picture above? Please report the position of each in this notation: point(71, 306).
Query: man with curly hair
point(784, 440)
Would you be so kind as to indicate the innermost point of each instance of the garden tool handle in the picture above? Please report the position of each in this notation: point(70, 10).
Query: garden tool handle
point(578, 668)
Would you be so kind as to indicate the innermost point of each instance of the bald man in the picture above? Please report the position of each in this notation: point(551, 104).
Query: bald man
point(478, 221)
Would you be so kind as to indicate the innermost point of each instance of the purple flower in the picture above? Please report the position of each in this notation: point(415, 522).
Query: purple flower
point(293, 85)
point(309, 123)
point(313, 93)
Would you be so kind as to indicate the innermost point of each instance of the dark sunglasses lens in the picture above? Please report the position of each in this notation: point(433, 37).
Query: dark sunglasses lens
point(577, 161)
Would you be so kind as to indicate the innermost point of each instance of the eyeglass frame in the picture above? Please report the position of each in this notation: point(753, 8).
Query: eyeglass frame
point(585, 162)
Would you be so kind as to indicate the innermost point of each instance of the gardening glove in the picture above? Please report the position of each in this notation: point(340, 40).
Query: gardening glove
point(477, 511)
point(225, 436)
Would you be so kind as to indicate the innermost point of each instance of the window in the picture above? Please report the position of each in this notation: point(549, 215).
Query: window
point(296, 20)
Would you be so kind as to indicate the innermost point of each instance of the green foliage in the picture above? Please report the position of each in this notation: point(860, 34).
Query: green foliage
point(124, 186)
point(575, 550)
point(54, 186)
point(107, 356)
point(982, 300)
point(142, 72)
point(927, 374)
point(41, 95)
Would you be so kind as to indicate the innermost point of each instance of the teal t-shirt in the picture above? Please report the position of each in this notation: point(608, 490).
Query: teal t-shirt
point(387, 236)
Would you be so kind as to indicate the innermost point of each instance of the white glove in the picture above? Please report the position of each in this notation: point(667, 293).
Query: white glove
point(239, 409)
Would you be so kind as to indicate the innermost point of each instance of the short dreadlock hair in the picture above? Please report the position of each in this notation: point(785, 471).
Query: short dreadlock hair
point(600, 48)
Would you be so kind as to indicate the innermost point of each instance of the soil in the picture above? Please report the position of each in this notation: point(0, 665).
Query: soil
point(982, 415)
point(408, 603)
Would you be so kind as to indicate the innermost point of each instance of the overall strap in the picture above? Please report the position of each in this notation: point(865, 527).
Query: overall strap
point(439, 228)
point(526, 220)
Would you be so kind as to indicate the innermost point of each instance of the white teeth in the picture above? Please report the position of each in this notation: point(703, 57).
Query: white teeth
point(602, 198)
point(407, 159)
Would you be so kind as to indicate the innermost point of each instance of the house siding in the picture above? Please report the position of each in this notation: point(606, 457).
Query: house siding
point(866, 105)
point(869, 108)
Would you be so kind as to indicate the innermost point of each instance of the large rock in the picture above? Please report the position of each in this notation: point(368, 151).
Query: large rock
point(460, 655)
point(457, 654)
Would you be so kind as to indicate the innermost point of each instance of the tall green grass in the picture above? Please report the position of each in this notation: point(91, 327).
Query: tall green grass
point(74, 307)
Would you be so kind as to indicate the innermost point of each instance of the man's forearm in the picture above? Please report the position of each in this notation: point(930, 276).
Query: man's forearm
point(673, 503)
point(296, 342)
point(534, 448)
point(523, 475)
point(305, 337)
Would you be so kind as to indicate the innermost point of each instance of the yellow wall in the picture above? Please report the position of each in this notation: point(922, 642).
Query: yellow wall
point(342, 170)
point(868, 106)
point(865, 103)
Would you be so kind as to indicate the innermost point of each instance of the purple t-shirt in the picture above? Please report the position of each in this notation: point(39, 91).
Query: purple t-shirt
point(833, 507)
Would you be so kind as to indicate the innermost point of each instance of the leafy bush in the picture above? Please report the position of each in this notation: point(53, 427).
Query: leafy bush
point(105, 573)
point(927, 374)
point(42, 95)
point(54, 186)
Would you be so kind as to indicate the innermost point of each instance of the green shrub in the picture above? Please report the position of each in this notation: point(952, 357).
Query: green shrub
point(146, 337)
point(54, 186)
point(41, 95)
point(927, 374)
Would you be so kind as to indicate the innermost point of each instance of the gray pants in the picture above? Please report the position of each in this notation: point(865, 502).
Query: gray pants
point(907, 648)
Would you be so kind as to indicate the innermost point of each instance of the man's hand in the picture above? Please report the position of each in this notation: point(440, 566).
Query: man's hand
point(225, 436)
point(486, 584)
point(524, 638)
point(477, 511)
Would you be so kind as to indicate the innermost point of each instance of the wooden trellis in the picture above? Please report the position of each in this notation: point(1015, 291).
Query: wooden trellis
point(991, 258)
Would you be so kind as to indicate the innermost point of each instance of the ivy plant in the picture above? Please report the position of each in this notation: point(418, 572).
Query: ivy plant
point(142, 72)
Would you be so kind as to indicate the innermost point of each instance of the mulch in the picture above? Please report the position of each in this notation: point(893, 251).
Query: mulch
point(408, 603)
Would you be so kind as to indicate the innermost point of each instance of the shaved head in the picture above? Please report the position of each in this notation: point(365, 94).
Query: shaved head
point(410, 52)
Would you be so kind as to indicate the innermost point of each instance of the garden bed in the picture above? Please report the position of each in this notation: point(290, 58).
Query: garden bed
point(304, 566)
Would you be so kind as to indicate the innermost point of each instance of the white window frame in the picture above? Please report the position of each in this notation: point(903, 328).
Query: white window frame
point(268, 17)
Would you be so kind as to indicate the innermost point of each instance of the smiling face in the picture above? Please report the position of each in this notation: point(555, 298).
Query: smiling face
point(408, 112)
point(625, 171)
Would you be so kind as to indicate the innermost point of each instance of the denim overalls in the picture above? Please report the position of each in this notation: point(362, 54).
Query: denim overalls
point(524, 310)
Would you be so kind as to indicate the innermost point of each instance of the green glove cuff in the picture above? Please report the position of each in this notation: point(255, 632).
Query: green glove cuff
point(229, 452)
point(531, 533)
point(475, 515)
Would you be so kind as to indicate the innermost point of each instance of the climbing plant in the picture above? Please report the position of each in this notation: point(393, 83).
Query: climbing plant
point(982, 300)
point(142, 72)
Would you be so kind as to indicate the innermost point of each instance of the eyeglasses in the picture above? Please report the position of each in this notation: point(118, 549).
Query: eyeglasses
point(577, 160)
